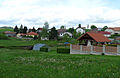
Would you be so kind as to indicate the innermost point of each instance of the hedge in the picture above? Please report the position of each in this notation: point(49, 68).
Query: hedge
point(44, 49)
point(63, 50)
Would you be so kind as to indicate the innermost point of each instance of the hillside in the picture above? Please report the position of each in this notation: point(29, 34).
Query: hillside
point(5, 29)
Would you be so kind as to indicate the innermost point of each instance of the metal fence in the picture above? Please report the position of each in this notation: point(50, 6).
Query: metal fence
point(107, 50)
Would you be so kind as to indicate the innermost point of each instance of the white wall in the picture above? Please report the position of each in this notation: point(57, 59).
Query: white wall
point(80, 30)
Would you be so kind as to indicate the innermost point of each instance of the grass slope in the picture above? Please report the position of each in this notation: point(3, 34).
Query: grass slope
point(34, 64)
point(5, 29)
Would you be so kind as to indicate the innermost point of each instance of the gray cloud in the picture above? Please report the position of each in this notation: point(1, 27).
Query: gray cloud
point(8, 22)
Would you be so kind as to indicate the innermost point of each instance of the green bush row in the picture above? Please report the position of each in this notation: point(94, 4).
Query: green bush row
point(44, 49)
point(63, 50)
point(3, 37)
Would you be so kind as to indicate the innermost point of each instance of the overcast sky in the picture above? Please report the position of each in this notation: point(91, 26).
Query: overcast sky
point(60, 12)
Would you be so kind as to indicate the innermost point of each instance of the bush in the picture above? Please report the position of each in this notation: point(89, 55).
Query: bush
point(113, 45)
point(102, 53)
point(44, 49)
point(63, 50)
point(3, 36)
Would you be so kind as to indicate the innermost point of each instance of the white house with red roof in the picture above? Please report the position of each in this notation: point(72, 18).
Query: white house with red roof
point(33, 34)
point(115, 30)
point(39, 30)
point(105, 33)
point(10, 34)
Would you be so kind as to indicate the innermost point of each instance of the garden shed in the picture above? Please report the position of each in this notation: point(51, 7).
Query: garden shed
point(39, 46)
point(91, 38)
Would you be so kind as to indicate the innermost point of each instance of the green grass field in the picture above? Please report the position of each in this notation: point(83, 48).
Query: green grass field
point(35, 64)
point(5, 29)
point(16, 63)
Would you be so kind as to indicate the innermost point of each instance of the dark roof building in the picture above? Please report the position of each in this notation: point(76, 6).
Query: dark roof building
point(60, 31)
point(10, 34)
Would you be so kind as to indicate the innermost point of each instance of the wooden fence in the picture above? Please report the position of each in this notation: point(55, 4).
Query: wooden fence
point(107, 50)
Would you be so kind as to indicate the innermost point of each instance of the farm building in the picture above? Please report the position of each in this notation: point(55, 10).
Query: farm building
point(93, 38)
point(10, 34)
point(33, 34)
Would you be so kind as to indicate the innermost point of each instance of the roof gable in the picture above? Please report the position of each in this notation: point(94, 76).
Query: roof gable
point(31, 33)
point(96, 36)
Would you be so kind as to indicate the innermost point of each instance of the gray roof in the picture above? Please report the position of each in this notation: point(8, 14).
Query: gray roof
point(38, 46)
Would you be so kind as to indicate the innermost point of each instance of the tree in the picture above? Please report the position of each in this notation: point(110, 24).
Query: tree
point(53, 35)
point(62, 27)
point(76, 35)
point(16, 29)
point(71, 30)
point(93, 27)
point(25, 29)
point(46, 25)
point(21, 29)
point(44, 33)
point(104, 28)
point(33, 30)
point(79, 25)
point(66, 37)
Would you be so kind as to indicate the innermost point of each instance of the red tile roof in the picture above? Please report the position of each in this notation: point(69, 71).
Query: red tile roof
point(115, 28)
point(104, 32)
point(9, 32)
point(98, 37)
point(31, 33)
point(22, 34)
point(40, 28)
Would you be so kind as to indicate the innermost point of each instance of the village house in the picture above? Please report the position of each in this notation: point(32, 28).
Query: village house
point(20, 35)
point(62, 32)
point(93, 38)
point(66, 33)
point(115, 30)
point(105, 33)
point(80, 30)
point(39, 30)
point(10, 34)
point(33, 34)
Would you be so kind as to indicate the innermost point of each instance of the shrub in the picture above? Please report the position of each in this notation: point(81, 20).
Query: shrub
point(113, 45)
point(3, 36)
point(63, 50)
point(44, 49)
point(102, 53)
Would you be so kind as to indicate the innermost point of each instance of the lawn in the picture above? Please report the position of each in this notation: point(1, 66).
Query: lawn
point(16, 63)
point(35, 64)
point(5, 29)
point(20, 42)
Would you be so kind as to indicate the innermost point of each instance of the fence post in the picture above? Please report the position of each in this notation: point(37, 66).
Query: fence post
point(118, 49)
point(70, 48)
point(80, 48)
point(104, 49)
point(91, 49)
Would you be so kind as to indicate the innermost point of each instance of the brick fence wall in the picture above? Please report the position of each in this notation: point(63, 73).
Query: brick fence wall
point(108, 50)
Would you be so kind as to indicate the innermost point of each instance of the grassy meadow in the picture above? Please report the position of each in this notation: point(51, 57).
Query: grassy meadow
point(5, 29)
point(35, 64)
point(16, 63)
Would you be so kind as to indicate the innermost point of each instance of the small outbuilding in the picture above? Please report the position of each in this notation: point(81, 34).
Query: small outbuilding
point(91, 38)
point(38, 46)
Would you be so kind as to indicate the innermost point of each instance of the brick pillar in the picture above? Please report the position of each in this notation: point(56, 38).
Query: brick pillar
point(118, 49)
point(70, 48)
point(104, 49)
point(91, 49)
point(80, 48)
